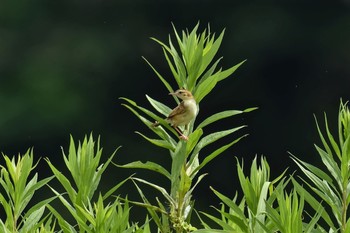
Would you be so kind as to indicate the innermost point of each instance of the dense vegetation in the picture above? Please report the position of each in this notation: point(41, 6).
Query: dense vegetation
point(267, 205)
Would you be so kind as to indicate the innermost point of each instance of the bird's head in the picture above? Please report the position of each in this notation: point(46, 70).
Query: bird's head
point(182, 94)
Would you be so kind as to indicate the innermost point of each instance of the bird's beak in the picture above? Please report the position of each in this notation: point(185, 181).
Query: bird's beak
point(172, 93)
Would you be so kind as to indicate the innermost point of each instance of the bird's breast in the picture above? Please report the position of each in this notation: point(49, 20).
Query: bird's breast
point(190, 113)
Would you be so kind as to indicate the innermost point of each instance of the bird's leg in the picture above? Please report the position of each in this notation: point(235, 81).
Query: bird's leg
point(182, 136)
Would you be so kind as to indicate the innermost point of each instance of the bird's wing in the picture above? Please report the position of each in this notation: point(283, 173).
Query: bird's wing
point(180, 109)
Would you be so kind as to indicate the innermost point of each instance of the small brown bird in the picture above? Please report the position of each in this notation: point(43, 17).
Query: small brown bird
point(184, 113)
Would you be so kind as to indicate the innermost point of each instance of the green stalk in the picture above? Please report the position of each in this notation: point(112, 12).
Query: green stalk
point(344, 210)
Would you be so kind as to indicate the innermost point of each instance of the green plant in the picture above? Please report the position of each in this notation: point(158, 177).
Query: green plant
point(91, 216)
point(265, 206)
point(287, 216)
point(331, 185)
point(19, 190)
point(192, 69)
point(248, 215)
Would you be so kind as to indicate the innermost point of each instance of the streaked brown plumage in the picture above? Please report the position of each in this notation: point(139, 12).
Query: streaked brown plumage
point(184, 113)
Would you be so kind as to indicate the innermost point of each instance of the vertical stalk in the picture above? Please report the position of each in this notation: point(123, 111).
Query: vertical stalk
point(344, 210)
point(344, 117)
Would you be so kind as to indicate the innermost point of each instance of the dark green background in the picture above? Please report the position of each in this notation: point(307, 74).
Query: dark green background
point(63, 65)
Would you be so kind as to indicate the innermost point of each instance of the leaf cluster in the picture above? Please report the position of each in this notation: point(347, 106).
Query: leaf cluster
point(192, 66)
point(266, 205)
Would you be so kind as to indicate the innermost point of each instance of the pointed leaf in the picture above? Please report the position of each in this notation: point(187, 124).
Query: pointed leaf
point(193, 140)
point(147, 165)
point(160, 107)
point(157, 142)
point(63, 180)
point(157, 187)
point(205, 87)
point(210, 52)
point(30, 223)
point(222, 115)
point(232, 205)
point(213, 137)
point(216, 153)
point(224, 74)
point(166, 84)
point(114, 188)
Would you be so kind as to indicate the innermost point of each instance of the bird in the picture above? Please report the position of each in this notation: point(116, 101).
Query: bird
point(184, 113)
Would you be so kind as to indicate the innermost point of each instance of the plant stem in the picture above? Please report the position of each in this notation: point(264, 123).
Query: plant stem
point(344, 209)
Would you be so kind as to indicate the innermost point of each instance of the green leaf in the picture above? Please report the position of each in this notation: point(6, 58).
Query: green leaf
point(322, 189)
point(157, 130)
point(314, 170)
point(178, 161)
point(224, 74)
point(331, 165)
point(192, 165)
point(65, 226)
point(210, 51)
point(160, 107)
point(324, 142)
point(194, 186)
point(157, 142)
point(314, 203)
point(72, 211)
point(275, 218)
point(205, 87)
point(331, 139)
point(214, 154)
point(262, 205)
point(148, 123)
point(250, 194)
point(8, 209)
point(222, 115)
point(309, 228)
point(30, 223)
point(29, 190)
point(87, 215)
point(151, 209)
point(227, 227)
point(180, 73)
point(193, 140)
point(147, 165)
point(37, 206)
point(212, 138)
point(114, 188)
point(232, 205)
point(63, 180)
point(166, 84)
point(180, 66)
point(209, 72)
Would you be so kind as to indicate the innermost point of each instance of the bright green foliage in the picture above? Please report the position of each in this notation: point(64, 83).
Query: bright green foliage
point(266, 206)
point(331, 184)
point(47, 227)
point(248, 215)
point(84, 166)
point(193, 69)
point(109, 219)
point(19, 190)
point(255, 190)
point(286, 214)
